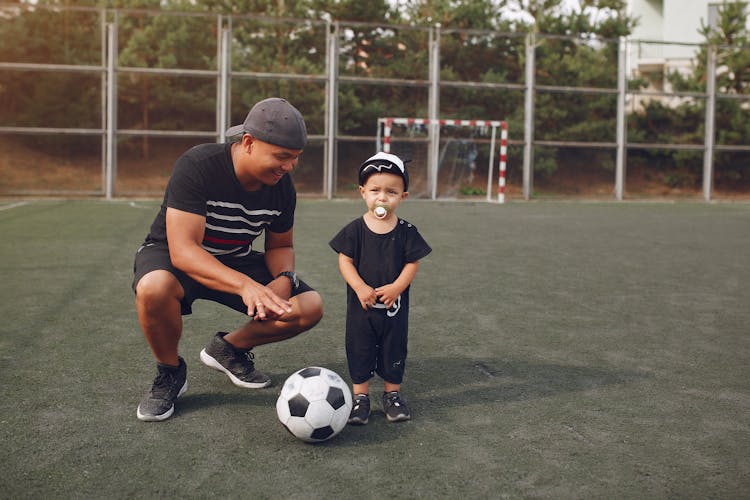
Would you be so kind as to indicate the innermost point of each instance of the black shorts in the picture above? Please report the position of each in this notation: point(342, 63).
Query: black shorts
point(376, 342)
point(155, 256)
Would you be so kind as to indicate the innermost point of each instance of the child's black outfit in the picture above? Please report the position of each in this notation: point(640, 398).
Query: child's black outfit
point(376, 339)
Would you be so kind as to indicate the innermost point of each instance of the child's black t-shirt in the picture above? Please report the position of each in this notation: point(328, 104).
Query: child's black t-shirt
point(379, 258)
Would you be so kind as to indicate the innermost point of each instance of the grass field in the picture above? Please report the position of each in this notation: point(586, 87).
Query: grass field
point(557, 350)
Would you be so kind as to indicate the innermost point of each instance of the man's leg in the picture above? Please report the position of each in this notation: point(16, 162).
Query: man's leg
point(307, 311)
point(157, 300)
point(231, 353)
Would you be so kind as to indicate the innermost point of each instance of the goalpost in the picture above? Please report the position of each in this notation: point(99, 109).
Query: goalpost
point(385, 131)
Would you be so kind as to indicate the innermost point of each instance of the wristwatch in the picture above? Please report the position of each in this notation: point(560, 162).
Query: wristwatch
point(292, 277)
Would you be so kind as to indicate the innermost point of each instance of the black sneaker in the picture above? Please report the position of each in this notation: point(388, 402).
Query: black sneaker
point(395, 407)
point(360, 414)
point(237, 364)
point(170, 383)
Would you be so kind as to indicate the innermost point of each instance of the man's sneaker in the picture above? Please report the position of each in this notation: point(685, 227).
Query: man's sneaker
point(170, 383)
point(360, 414)
point(237, 364)
point(395, 407)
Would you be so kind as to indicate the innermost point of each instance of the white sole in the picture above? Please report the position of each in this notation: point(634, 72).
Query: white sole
point(210, 362)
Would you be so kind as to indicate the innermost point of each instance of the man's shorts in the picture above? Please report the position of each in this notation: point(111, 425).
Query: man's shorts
point(155, 256)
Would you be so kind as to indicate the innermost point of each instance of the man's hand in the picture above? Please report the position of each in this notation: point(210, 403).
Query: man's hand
point(263, 302)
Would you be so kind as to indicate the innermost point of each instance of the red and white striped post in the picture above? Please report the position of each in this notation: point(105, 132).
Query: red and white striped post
point(387, 126)
point(503, 162)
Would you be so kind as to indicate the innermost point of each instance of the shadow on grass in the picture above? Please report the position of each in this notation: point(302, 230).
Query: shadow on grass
point(459, 381)
point(437, 387)
point(453, 381)
point(200, 401)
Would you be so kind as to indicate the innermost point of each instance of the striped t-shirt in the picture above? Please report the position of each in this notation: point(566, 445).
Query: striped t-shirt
point(203, 182)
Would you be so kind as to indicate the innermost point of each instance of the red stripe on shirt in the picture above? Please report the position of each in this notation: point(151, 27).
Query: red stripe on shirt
point(226, 242)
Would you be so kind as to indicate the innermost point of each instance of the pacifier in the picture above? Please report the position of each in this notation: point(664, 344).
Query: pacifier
point(380, 211)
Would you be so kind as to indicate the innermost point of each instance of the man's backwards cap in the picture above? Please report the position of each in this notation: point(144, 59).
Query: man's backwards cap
point(274, 121)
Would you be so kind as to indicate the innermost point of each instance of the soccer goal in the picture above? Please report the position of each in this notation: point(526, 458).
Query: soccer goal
point(451, 154)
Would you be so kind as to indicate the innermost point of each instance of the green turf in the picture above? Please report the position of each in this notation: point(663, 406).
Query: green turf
point(557, 350)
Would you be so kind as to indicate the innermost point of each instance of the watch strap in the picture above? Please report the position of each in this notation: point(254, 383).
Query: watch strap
point(292, 277)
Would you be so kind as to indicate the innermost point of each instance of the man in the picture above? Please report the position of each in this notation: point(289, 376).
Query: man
point(219, 198)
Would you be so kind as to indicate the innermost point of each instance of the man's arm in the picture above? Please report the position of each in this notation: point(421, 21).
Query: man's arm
point(185, 232)
point(279, 254)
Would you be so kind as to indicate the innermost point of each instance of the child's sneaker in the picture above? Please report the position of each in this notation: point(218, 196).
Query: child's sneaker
point(360, 414)
point(395, 408)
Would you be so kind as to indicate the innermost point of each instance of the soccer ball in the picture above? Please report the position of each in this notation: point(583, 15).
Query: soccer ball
point(314, 404)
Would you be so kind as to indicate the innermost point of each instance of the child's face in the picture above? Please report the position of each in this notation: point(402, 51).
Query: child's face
point(383, 189)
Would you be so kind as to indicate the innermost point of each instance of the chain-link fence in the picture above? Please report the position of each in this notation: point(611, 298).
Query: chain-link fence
point(104, 103)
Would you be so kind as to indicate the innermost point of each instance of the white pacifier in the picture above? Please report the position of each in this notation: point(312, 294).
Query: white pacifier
point(380, 212)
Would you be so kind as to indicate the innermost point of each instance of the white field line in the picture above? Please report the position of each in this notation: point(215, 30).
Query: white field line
point(14, 205)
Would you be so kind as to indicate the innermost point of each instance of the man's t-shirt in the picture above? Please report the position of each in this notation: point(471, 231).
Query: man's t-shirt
point(203, 182)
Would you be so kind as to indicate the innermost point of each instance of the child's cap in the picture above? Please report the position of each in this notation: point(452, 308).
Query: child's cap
point(383, 162)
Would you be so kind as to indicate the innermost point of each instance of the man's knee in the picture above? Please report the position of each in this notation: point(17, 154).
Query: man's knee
point(156, 288)
point(311, 309)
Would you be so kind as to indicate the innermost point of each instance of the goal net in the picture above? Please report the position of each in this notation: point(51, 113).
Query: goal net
point(450, 162)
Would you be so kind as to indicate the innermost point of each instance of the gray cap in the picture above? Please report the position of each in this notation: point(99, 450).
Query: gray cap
point(274, 121)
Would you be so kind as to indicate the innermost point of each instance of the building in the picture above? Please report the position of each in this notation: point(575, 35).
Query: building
point(667, 35)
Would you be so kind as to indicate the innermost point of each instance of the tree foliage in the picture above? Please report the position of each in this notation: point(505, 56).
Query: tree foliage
point(659, 123)
point(481, 41)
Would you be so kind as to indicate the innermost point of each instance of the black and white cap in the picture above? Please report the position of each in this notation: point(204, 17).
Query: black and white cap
point(383, 162)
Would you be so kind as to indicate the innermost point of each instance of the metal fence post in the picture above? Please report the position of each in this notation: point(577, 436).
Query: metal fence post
point(223, 56)
point(621, 131)
point(331, 121)
point(225, 63)
point(111, 149)
point(433, 153)
point(528, 118)
point(103, 101)
point(708, 153)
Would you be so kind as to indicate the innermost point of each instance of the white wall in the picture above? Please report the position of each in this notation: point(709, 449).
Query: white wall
point(650, 16)
point(666, 21)
point(683, 19)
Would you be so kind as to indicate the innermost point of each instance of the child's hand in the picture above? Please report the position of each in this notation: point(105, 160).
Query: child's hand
point(366, 296)
point(388, 294)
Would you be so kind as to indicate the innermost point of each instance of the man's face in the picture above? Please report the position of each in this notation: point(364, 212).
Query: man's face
point(269, 163)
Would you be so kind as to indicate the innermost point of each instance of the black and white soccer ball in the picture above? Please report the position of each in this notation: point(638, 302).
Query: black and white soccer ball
point(314, 404)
